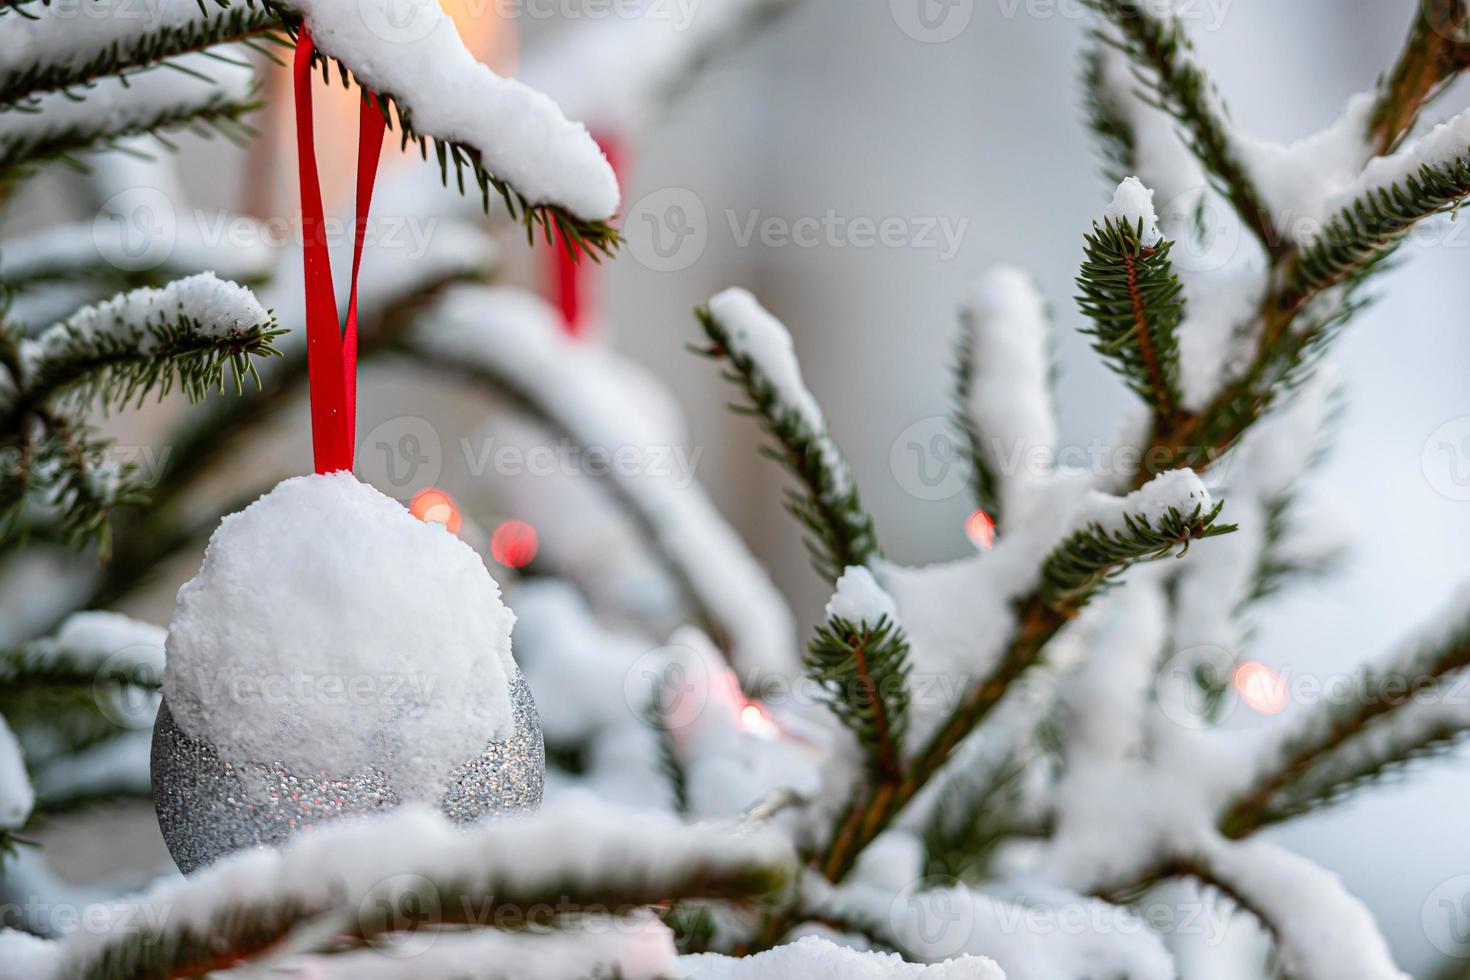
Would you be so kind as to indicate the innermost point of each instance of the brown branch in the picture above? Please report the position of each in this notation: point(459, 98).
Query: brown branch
point(1157, 380)
point(888, 762)
point(1437, 49)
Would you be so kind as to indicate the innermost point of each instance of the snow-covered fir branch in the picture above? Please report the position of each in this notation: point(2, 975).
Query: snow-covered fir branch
point(193, 92)
point(359, 880)
point(190, 333)
point(763, 365)
point(1133, 298)
point(860, 658)
point(1160, 48)
point(55, 50)
point(513, 139)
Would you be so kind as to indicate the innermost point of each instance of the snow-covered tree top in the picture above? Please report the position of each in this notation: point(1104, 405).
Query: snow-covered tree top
point(860, 599)
point(326, 579)
point(1133, 207)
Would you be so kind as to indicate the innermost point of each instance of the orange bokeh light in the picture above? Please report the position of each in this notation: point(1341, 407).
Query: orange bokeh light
point(1262, 688)
point(980, 529)
point(433, 506)
point(514, 544)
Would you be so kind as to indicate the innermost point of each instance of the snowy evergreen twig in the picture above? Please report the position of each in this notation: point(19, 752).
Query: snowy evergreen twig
point(1133, 297)
point(839, 531)
point(1165, 60)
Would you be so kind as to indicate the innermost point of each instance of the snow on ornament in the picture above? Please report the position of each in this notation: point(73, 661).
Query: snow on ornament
point(335, 655)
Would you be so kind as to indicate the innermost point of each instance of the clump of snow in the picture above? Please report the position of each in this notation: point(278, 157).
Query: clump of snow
point(329, 629)
point(1010, 368)
point(16, 796)
point(522, 136)
point(1321, 930)
point(756, 334)
point(1441, 147)
point(27, 957)
point(221, 309)
point(1133, 207)
point(859, 599)
point(1175, 490)
point(1297, 180)
point(813, 958)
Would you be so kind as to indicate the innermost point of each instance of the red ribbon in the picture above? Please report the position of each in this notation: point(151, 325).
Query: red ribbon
point(574, 281)
point(331, 351)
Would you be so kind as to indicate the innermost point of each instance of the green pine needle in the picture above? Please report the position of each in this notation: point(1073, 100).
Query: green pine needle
point(840, 532)
point(1134, 300)
point(863, 669)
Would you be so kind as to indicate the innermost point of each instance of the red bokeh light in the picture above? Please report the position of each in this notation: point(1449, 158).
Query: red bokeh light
point(980, 529)
point(514, 544)
point(433, 506)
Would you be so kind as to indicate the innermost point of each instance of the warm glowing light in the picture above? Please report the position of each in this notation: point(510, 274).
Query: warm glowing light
point(980, 529)
point(1261, 687)
point(513, 544)
point(433, 506)
point(757, 721)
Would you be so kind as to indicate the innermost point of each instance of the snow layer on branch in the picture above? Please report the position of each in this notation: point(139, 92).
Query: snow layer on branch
point(221, 309)
point(1133, 207)
point(1176, 490)
point(76, 249)
point(567, 849)
point(119, 765)
point(1215, 343)
point(96, 637)
point(522, 136)
point(601, 400)
point(1010, 391)
point(589, 72)
point(16, 795)
point(113, 108)
point(327, 580)
point(860, 599)
point(562, 648)
point(1322, 932)
point(632, 948)
point(1440, 147)
point(756, 334)
point(63, 34)
point(813, 958)
point(1297, 181)
point(960, 616)
point(730, 763)
point(1034, 938)
point(27, 957)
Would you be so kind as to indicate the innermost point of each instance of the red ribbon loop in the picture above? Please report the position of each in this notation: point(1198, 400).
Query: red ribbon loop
point(331, 351)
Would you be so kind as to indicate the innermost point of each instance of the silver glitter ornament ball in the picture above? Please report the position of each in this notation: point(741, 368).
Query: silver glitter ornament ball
point(208, 808)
